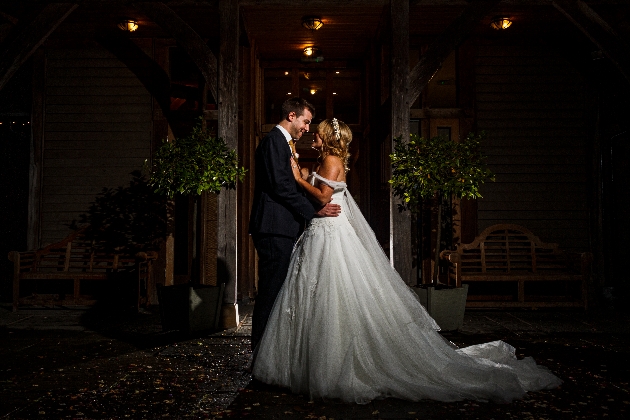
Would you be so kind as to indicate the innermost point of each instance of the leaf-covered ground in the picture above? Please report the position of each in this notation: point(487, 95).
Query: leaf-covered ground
point(57, 364)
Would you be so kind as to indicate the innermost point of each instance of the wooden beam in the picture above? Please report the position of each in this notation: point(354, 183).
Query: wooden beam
point(149, 72)
point(186, 37)
point(598, 31)
point(228, 130)
point(445, 44)
point(399, 222)
point(31, 37)
point(288, 64)
point(14, 21)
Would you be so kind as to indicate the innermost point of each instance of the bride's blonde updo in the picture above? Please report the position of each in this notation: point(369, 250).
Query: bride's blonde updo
point(336, 137)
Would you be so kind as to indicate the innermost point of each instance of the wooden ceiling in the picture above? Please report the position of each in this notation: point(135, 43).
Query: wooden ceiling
point(350, 26)
point(279, 34)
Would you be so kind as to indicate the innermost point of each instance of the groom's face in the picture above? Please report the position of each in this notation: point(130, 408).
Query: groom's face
point(299, 124)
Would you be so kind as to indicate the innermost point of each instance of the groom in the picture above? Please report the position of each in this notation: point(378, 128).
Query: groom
point(279, 208)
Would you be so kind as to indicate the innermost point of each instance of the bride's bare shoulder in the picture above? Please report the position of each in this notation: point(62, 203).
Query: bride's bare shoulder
point(332, 168)
point(332, 160)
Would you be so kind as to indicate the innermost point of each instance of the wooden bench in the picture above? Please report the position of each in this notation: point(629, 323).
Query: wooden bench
point(512, 253)
point(76, 258)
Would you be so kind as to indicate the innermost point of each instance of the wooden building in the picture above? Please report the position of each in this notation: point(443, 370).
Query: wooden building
point(86, 101)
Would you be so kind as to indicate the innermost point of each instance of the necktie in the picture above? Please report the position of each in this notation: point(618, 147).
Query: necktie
point(293, 152)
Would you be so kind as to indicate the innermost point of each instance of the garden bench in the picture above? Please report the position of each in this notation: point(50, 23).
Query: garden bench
point(512, 253)
point(76, 259)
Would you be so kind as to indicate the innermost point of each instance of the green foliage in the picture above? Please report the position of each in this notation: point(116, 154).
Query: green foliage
point(424, 168)
point(193, 164)
point(126, 219)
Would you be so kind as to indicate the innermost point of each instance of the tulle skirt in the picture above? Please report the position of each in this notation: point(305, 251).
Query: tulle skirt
point(346, 326)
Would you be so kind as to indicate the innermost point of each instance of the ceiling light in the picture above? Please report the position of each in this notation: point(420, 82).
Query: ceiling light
point(313, 91)
point(312, 22)
point(311, 51)
point(501, 22)
point(128, 25)
point(286, 73)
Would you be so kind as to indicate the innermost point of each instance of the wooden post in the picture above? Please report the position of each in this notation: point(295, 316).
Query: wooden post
point(37, 145)
point(247, 148)
point(164, 269)
point(228, 130)
point(466, 101)
point(399, 222)
point(169, 246)
point(256, 115)
point(243, 153)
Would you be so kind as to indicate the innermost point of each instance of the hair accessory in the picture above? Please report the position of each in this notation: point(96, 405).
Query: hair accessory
point(335, 125)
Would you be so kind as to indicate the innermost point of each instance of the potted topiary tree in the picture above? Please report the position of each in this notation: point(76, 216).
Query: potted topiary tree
point(189, 166)
point(194, 164)
point(435, 168)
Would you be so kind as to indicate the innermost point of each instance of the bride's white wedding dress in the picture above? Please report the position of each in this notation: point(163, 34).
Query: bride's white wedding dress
point(346, 326)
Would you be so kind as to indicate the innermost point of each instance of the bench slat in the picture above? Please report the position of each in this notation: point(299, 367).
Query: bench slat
point(65, 275)
point(512, 253)
point(76, 258)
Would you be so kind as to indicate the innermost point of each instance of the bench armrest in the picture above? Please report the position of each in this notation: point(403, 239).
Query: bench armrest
point(452, 256)
point(16, 255)
point(147, 256)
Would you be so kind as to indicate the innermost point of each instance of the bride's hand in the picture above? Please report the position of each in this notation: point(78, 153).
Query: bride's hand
point(296, 170)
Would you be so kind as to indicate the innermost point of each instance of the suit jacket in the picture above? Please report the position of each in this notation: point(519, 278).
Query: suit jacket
point(280, 206)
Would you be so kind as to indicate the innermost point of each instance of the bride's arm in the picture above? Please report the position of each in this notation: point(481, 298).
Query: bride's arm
point(330, 169)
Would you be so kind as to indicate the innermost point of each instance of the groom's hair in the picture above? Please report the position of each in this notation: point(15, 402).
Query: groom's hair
point(297, 105)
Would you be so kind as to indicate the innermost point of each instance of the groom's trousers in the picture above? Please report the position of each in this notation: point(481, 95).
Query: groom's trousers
point(274, 255)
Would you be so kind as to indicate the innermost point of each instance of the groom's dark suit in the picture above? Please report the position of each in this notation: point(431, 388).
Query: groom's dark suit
point(279, 210)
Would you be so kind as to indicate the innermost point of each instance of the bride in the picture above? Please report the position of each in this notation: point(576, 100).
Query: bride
point(346, 326)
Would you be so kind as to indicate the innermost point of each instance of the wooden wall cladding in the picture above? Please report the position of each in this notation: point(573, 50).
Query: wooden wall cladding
point(97, 130)
point(532, 105)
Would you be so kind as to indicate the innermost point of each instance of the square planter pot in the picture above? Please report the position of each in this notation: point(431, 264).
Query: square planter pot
point(446, 305)
point(190, 308)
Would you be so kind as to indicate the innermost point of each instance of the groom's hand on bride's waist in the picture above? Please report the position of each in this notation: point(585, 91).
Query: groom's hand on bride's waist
point(329, 210)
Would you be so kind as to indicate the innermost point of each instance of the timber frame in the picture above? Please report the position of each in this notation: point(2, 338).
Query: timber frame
point(232, 59)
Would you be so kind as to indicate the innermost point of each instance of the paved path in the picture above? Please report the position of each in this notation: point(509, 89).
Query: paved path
point(89, 364)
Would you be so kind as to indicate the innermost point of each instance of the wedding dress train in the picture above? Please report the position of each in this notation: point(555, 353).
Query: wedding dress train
point(346, 326)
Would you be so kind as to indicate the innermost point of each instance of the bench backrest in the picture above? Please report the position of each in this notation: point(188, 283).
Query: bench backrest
point(75, 253)
point(509, 248)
